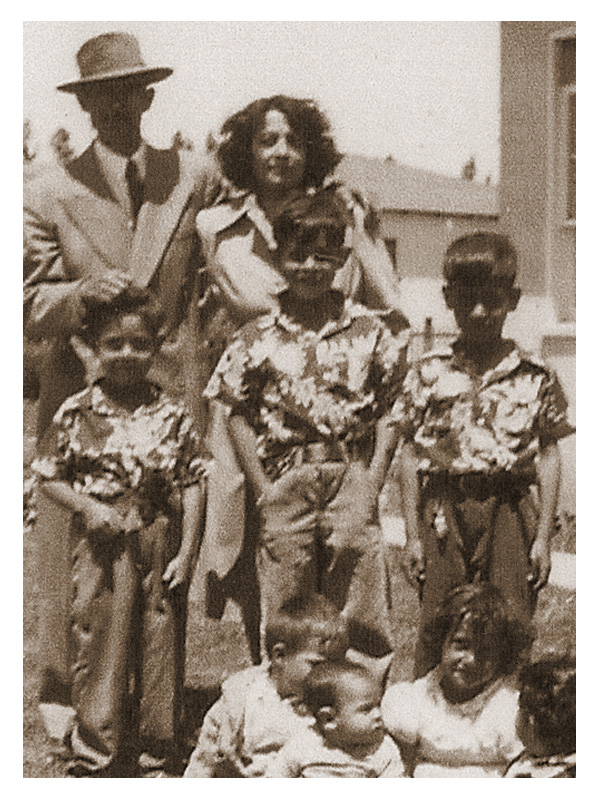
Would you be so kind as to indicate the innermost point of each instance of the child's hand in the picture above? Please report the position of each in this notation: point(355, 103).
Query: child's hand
point(540, 561)
point(100, 518)
point(178, 570)
point(413, 562)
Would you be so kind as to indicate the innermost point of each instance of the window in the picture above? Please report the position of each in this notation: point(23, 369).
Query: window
point(565, 127)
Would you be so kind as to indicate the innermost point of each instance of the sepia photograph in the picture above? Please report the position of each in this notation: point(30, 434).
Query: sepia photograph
point(299, 372)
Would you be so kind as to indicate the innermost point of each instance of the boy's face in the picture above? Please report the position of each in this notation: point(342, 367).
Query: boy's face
point(480, 307)
point(125, 349)
point(289, 671)
point(356, 719)
point(465, 669)
point(310, 260)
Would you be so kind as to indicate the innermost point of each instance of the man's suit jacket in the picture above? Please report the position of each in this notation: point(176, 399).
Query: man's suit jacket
point(75, 229)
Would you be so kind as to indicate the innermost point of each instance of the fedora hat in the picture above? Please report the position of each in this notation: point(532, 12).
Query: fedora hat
point(109, 57)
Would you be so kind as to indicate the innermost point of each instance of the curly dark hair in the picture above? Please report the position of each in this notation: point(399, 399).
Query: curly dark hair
point(548, 691)
point(306, 120)
point(495, 628)
point(132, 300)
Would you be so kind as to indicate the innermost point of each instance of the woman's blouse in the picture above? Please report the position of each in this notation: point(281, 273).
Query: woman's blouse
point(105, 451)
point(461, 423)
point(239, 252)
point(476, 739)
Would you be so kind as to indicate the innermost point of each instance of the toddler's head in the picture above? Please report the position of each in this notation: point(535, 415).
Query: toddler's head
point(301, 635)
point(546, 723)
point(125, 334)
point(311, 233)
point(480, 270)
point(344, 699)
point(475, 639)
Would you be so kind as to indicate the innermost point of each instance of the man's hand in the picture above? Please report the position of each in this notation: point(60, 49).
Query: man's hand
point(540, 562)
point(103, 288)
point(178, 570)
point(413, 562)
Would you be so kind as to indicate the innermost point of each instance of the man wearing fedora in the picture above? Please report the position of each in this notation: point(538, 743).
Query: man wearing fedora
point(120, 214)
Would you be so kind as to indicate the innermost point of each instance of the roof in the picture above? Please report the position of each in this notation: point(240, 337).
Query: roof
point(391, 186)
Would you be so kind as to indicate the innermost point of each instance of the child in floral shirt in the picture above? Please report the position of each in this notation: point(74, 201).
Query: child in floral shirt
point(125, 460)
point(482, 420)
point(309, 389)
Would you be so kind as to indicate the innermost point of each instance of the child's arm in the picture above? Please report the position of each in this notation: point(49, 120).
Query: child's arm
point(548, 470)
point(178, 570)
point(98, 517)
point(246, 447)
point(409, 482)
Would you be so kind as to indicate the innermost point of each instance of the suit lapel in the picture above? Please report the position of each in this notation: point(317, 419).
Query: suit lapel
point(98, 217)
point(166, 194)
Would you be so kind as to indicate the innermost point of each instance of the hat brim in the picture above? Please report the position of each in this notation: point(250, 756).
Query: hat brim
point(145, 74)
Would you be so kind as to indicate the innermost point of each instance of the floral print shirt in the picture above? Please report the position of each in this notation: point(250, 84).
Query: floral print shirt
point(464, 423)
point(294, 385)
point(107, 452)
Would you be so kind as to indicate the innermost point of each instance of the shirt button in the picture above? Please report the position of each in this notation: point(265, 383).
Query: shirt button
point(481, 421)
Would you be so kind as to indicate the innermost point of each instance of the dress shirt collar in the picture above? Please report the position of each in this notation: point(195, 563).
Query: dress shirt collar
point(114, 165)
point(348, 313)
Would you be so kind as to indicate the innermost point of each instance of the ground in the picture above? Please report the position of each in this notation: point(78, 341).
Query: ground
point(216, 649)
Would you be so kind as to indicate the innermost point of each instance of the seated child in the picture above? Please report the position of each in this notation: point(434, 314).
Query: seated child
point(261, 707)
point(125, 460)
point(309, 389)
point(482, 421)
point(546, 722)
point(459, 721)
point(347, 739)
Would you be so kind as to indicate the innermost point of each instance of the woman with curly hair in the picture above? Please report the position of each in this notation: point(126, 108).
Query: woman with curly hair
point(274, 150)
point(460, 720)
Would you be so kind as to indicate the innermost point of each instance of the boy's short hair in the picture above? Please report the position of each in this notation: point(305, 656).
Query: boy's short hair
point(132, 300)
point(323, 210)
point(481, 256)
point(300, 620)
point(548, 690)
point(491, 619)
point(322, 688)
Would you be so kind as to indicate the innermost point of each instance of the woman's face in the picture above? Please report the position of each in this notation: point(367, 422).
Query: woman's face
point(279, 155)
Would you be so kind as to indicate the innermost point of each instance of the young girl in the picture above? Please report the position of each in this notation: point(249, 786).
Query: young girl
point(459, 721)
point(547, 720)
point(125, 460)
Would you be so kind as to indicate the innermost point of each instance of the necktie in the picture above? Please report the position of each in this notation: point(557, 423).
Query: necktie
point(135, 186)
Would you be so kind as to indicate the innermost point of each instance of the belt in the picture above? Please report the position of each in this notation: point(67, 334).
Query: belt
point(477, 485)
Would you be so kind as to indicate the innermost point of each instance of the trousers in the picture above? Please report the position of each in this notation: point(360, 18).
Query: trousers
point(304, 549)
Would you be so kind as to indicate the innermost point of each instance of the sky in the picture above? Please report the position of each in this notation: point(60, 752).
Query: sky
point(426, 93)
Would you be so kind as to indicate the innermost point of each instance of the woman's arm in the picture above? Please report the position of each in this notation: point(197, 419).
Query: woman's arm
point(548, 471)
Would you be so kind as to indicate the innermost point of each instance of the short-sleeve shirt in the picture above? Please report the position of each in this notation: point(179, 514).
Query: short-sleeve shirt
point(309, 756)
point(476, 739)
point(463, 423)
point(295, 385)
point(108, 452)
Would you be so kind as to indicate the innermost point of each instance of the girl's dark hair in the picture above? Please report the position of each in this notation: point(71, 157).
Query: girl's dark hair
point(548, 689)
point(306, 120)
point(132, 300)
point(496, 630)
point(324, 209)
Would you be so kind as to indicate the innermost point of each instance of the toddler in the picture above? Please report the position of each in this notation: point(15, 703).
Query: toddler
point(546, 722)
point(260, 708)
point(347, 739)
